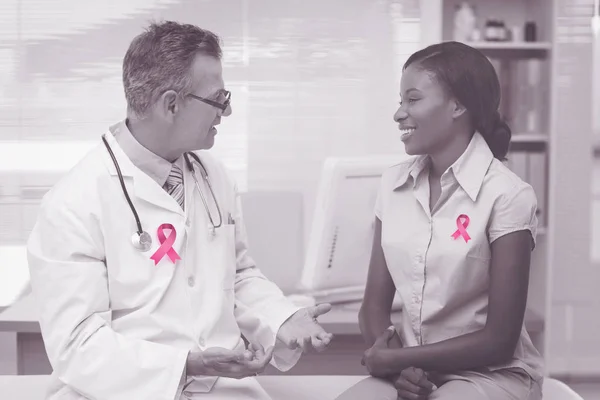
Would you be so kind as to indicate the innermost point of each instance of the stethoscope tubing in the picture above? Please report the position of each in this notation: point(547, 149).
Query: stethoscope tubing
point(122, 182)
point(190, 166)
point(204, 174)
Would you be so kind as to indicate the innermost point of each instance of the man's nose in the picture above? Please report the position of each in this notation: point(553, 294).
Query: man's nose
point(227, 111)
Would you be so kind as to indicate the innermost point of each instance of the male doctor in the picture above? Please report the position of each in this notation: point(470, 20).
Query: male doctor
point(168, 316)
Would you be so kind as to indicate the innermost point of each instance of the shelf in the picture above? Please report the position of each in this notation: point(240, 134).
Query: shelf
point(529, 138)
point(484, 45)
point(513, 50)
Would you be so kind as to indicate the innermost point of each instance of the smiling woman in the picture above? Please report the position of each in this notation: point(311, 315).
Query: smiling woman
point(436, 90)
point(462, 271)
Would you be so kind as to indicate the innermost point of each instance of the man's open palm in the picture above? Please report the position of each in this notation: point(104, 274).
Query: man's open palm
point(303, 330)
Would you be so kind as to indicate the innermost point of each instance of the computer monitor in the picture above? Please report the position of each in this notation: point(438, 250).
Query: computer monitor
point(339, 246)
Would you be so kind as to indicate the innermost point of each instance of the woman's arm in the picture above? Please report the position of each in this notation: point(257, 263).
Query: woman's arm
point(374, 315)
point(496, 342)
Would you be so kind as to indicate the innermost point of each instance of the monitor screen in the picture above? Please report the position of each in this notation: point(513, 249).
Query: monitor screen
point(339, 248)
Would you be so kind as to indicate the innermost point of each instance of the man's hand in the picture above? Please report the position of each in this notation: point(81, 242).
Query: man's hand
point(217, 361)
point(413, 384)
point(303, 330)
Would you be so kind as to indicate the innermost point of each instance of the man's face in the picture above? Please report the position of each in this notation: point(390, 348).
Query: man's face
point(194, 124)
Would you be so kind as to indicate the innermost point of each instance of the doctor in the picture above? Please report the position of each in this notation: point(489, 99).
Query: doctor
point(138, 260)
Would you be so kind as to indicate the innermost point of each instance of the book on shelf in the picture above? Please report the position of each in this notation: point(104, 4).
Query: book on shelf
point(523, 93)
point(526, 103)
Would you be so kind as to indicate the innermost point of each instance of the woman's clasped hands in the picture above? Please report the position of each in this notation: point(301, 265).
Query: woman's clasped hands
point(384, 360)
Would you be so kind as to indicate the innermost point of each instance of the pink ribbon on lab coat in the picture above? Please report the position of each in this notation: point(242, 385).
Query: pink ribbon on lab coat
point(462, 222)
point(166, 244)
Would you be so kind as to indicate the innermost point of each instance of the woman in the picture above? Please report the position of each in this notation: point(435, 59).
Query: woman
point(454, 233)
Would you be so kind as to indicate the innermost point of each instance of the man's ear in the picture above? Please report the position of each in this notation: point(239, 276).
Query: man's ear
point(168, 104)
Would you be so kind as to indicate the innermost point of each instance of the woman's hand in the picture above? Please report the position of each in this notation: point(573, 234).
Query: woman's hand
point(413, 384)
point(395, 342)
point(379, 358)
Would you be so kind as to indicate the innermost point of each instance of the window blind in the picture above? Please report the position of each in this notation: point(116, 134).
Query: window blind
point(309, 79)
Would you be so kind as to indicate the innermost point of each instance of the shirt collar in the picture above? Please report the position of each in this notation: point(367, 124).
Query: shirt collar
point(469, 169)
point(151, 164)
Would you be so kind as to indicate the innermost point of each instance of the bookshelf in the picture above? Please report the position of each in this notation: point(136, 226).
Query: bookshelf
point(524, 70)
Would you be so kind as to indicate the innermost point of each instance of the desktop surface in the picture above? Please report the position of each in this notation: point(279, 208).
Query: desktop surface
point(341, 320)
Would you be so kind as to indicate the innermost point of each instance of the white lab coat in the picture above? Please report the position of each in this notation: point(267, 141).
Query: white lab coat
point(117, 326)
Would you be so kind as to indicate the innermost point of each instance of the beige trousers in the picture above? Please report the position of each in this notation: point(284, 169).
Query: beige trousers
point(507, 384)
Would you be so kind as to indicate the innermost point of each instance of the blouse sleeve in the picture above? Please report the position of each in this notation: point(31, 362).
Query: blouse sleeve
point(514, 211)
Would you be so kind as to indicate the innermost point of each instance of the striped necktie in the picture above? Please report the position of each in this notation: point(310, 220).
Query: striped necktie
point(174, 185)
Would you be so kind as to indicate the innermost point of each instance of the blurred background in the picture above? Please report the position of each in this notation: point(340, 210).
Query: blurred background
point(312, 79)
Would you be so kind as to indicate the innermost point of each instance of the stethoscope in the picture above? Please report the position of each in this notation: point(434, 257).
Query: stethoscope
point(141, 240)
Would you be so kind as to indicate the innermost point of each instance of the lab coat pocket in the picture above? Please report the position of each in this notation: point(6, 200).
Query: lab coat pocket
point(224, 255)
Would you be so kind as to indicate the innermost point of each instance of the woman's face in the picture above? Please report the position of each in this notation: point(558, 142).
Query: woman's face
point(425, 114)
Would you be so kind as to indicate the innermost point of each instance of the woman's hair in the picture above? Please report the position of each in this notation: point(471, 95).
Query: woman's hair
point(468, 76)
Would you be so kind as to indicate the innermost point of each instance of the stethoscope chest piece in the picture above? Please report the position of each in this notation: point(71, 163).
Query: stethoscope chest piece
point(211, 232)
point(142, 241)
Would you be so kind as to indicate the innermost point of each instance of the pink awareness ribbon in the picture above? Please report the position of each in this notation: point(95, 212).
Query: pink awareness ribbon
point(166, 244)
point(462, 222)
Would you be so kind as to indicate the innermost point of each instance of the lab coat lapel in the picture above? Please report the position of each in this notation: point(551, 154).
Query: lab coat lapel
point(144, 187)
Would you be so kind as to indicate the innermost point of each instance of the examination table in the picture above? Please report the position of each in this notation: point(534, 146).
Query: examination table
point(296, 387)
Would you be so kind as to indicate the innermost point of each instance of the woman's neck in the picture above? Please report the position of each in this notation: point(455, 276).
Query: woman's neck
point(442, 160)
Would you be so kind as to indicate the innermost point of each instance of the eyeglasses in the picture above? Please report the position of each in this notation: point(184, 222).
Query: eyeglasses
point(221, 106)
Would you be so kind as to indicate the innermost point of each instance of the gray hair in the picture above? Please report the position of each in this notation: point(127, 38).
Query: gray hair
point(160, 59)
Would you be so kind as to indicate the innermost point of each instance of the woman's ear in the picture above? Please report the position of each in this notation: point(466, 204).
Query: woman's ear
point(457, 109)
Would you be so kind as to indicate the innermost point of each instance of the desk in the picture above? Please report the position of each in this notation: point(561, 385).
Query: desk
point(341, 358)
